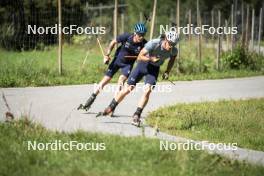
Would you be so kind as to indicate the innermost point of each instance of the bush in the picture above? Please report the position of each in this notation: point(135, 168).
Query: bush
point(240, 58)
point(207, 65)
point(256, 61)
point(188, 66)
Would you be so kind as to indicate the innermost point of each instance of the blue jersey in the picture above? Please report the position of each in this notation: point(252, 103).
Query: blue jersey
point(128, 47)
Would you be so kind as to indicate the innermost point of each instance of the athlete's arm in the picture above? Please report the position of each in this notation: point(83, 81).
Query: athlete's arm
point(165, 75)
point(108, 51)
point(120, 39)
point(143, 56)
point(170, 64)
point(110, 47)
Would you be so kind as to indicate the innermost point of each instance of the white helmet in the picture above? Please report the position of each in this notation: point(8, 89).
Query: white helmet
point(172, 37)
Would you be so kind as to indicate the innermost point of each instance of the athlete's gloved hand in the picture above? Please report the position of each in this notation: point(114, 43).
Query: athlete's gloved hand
point(154, 59)
point(106, 59)
point(165, 76)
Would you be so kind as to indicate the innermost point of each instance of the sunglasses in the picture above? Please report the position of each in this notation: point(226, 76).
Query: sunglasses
point(140, 34)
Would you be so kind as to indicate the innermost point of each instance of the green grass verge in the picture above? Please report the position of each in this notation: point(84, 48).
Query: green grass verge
point(238, 122)
point(123, 156)
point(40, 68)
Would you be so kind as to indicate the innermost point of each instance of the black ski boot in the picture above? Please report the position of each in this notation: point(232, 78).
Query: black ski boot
point(136, 117)
point(88, 103)
point(136, 120)
point(109, 110)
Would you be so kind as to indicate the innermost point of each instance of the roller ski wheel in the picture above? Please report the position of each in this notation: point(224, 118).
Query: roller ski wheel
point(136, 120)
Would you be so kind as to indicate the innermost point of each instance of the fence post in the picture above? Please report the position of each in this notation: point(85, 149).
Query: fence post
point(141, 17)
point(227, 41)
point(212, 21)
point(60, 38)
point(153, 19)
point(178, 25)
point(171, 15)
point(100, 13)
point(252, 29)
point(247, 27)
point(232, 24)
point(259, 33)
point(218, 42)
point(122, 23)
point(199, 37)
point(190, 22)
point(115, 20)
point(242, 24)
point(235, 15)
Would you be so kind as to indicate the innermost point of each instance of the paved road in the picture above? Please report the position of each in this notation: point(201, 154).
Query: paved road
point(55, 107)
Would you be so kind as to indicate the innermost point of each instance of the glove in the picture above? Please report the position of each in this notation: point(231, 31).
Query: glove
point(154, 59)
point(165, 76)
point(106, 59)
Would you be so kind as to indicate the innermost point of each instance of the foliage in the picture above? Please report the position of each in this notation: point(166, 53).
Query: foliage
point(240, 58)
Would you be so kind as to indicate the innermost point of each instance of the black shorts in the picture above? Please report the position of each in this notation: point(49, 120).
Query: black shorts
point(144, 69)
point(117, 64)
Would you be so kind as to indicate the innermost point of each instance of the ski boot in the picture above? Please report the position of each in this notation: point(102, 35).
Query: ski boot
point(136, 120)
point(88, 103)
point(107, 111)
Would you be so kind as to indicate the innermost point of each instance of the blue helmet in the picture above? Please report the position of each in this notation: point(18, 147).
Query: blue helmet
point(140, 28)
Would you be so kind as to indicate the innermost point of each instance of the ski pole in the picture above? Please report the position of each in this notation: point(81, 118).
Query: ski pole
point(147, 18)
point(101, 48)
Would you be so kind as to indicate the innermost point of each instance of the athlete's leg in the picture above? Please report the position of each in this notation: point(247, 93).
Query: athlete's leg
point(106, 79)
point(141, 105)
point(124, 92)
point(150, 82)
point(134, 78)
point(112, 69)
point(119, 97)
point(121, 82)
point(125, 71)
point(145, 97)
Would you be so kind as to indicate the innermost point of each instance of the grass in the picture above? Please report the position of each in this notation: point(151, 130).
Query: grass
point(40, 68)
point(238, 122)
point(123, 156)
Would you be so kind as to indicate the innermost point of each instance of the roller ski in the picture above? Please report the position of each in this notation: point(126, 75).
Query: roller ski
point(106, 112)
point(109, 110)
point(136, 120)
point(88, 103)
